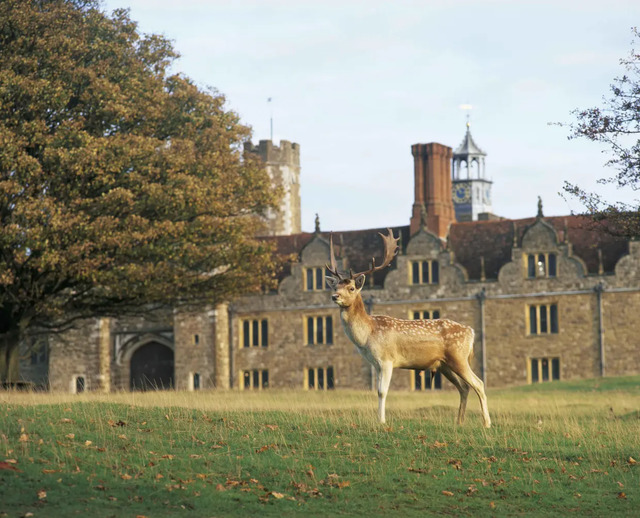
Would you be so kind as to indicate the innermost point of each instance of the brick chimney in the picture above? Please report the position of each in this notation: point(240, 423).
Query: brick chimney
point(432, 167)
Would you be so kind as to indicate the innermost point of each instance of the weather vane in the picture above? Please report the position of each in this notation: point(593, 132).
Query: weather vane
point(467, 108)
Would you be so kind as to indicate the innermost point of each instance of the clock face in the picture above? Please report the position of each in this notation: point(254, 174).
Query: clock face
point(461, 193)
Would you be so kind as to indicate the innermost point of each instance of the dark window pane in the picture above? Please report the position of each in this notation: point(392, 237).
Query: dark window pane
point(545, 369)
point(265, 333)
point(256, 379)
point(329, 330)
point(247, 379)
point(542, 269)
point(534, 370)
point(435, 272)
point(309, 279)
point(533, 322)
point(196, 381)
point(196, 339)
point(415, 273)
point(319, 331)
point(320, 378)
point(543, 319)
point(246, 333)
point(417, 383)
point(436, 314)
point(531, 266)
point(425, 272)
point(255, 333)
point(310, 330)
point(552, 265)
point(319, 284)
point(416, 315)
point(555, 369)
point(265, 379)
point(553, 309)
point(80, 386)
point(312, 378)
point(329, 377)
point(438, 380)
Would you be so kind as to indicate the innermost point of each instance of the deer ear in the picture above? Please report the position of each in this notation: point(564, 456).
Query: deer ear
point(332, 281)
point(359, 281)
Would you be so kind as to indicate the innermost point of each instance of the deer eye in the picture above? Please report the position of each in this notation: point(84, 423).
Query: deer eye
point(351, 288)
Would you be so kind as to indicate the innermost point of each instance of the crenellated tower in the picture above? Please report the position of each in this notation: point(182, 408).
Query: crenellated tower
point(283, 166)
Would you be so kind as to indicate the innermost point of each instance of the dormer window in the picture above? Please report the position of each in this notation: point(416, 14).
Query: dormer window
point(314, 279)
point(541, 265)
point(424, 272)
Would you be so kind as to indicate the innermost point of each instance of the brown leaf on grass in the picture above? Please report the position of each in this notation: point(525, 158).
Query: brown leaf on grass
point(126, 476)
point(447, 493)
point(277, 495)
point(622, 496)
point(66, 420)
point(620, 483)
point(492, 505)
point(438, 444)
point(70, 436)
point(9, 466)
point(471, 489)
point(271, 426)
point(49, 471)
point(632, 461)
point(418, 470)
point(159, 476)
point(23, 438)
point(41, 494)
point(456, 463)
point(220, 487)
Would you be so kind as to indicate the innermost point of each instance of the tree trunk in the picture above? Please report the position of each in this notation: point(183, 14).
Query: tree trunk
point(9, 357)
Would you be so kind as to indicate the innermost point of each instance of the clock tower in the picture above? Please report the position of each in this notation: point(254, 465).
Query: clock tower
point(471, 191)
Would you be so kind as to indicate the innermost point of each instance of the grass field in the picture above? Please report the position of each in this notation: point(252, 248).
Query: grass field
point(555, 449)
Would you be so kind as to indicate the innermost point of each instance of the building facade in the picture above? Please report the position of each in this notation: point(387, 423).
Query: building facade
point(549, 298)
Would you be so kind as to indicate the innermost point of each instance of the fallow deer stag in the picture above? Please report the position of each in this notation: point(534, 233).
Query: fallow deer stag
point(385, 342)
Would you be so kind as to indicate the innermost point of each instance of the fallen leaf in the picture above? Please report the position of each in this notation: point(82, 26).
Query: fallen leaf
point(88, 443)
point(126, 476)
point(622, 496)
point(70, 436)
point(447, 493)
point(492, 505)
point(277, 495)
point(220, 487)
point(632, 460)
point(9, 466)
point(23, 438)
point(42, 494)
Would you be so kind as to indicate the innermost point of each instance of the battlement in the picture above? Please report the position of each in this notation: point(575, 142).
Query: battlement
point(287, 153)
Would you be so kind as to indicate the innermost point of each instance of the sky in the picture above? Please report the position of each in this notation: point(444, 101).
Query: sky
point(356, 83)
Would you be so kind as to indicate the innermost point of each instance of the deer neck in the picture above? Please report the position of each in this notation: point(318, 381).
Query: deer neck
point(356, 322)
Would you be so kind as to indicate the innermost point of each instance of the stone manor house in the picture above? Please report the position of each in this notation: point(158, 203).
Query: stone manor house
point(549, 298)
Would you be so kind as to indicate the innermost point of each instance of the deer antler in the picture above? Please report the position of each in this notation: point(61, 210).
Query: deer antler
point(390, 251)
point(333, 269)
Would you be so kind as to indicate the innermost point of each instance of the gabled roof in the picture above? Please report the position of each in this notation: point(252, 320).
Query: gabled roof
point(469, 241)
point(468, 146)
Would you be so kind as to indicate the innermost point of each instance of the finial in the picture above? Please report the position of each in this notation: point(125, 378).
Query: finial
point(515, 234)
point(540, 215)
point(317, 224)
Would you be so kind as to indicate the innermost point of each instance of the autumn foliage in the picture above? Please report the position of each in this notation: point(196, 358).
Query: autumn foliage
point(122, 186)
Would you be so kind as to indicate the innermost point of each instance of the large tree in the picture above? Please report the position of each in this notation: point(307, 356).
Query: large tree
point(616, 125)
point(123, 187)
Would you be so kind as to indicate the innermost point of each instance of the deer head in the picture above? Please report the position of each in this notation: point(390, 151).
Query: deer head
point(347, 288)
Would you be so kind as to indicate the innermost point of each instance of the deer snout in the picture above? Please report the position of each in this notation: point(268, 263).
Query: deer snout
point(335, 297)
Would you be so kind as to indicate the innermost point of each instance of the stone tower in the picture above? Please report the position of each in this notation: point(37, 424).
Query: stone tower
point(471, 190)
point(283, 167)
point(432, 205)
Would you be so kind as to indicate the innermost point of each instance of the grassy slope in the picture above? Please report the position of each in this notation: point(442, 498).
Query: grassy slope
point(556, 449)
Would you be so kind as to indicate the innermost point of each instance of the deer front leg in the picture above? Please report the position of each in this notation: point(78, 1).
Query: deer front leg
point(384, 380)
point(462, 387)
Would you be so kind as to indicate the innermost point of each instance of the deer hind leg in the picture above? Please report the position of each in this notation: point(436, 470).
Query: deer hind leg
point(384, 380)
point(463, 370)
point(462, 387)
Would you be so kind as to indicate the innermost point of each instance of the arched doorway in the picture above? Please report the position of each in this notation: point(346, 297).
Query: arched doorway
point(152, 367)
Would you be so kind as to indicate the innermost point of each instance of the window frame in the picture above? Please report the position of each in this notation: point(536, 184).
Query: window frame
point(319, 378)
point(326, 331)
point(258, 333)
point(314, 271)
point(430, 312)
point(547, 323)
point(531, 261)
point(425, 383)
point(538, 377)
point(417, 268)
point(262, 376)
